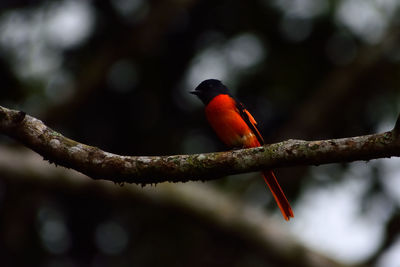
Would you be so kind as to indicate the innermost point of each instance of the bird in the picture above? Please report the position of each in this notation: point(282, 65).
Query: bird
point(237, 128)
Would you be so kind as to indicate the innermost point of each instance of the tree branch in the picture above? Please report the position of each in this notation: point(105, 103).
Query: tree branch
point(99, 164)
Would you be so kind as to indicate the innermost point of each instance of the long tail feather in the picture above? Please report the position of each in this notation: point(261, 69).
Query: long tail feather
point(278, 194)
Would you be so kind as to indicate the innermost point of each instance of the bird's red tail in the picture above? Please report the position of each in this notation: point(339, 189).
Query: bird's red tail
point(278, 194)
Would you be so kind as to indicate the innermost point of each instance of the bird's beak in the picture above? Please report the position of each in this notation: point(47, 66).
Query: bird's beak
point(194, 92)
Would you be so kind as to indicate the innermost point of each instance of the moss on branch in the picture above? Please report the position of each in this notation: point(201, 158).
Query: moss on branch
point(99, 164)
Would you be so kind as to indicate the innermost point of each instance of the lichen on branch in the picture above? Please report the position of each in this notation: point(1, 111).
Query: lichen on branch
point(99, 164)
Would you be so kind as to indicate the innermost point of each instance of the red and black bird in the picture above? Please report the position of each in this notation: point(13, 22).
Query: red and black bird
point(236, 127)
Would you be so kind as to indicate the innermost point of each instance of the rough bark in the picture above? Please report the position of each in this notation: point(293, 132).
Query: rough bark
point(99, 164)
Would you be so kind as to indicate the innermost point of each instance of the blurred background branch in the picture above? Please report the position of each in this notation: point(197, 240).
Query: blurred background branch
point(201, 205)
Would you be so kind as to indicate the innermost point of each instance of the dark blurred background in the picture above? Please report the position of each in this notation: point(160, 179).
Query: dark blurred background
point(116, 75)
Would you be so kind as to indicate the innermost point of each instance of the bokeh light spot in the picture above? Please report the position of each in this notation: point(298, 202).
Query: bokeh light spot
point(296, 29)
point(304, 9)
point(132, 10)
point(363, 19)
point(111, 237)
point(244, 51)
point(69, 23)
point(52, 230)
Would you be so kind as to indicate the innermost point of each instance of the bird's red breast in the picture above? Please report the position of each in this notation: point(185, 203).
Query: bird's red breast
point(225, 118)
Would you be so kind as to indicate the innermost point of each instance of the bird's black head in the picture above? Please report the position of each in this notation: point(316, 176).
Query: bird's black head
point(209, 89)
